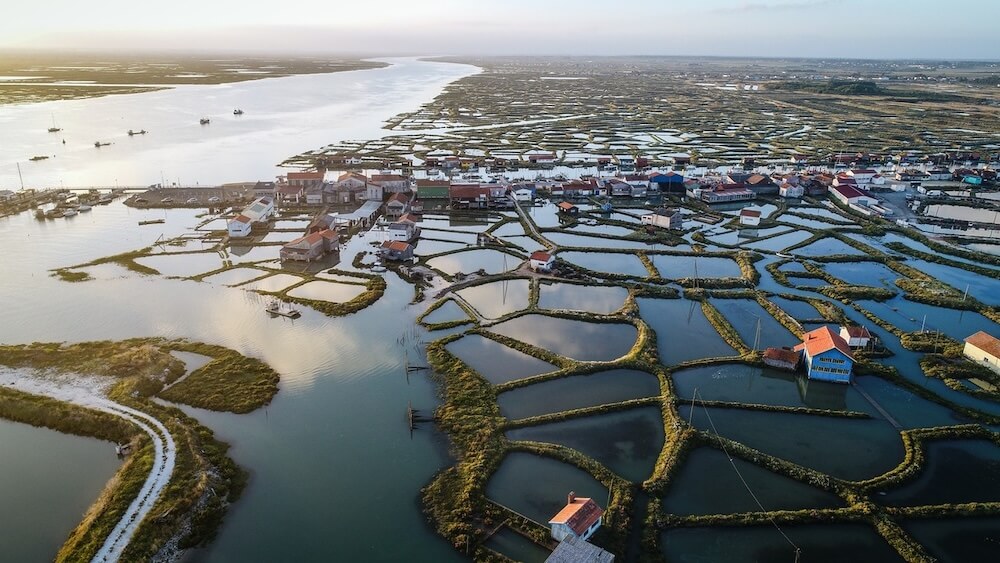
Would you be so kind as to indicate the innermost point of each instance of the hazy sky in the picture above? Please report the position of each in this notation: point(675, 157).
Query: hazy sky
point(821, 28)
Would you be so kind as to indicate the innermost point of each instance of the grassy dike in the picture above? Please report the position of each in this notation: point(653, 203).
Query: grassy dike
point(205, 480)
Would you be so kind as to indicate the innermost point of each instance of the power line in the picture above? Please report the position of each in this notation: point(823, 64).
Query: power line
point(732, 462)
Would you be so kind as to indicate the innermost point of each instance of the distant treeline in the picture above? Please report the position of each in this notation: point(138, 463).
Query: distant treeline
point(860, 88)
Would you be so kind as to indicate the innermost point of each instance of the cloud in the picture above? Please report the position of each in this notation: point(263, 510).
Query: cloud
point(782, 6)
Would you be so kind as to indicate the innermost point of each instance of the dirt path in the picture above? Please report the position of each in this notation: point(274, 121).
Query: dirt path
point(88, 391)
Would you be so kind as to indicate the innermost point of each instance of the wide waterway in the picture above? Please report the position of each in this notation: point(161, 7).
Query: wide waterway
point(332, 455)
point(283, 117)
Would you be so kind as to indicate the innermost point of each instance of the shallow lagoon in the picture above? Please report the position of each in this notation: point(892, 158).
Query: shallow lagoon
point(842, 447)
point(582, 241)
point(743, 314)
point(828, 247)
point(682, 331)
point(956, 471)
point(496, 362)
point(612, 263)
point(235, 276)
point(957, 540)
point(678, 267)
point(863, 273)
point(493, 261)
point(752, 384)
point(575, 339)
point(52, 479)
point(577, 391)
point(595, 299)
point(517, 547)
point(277, 282)
point(448, 312)
point(496, 299)
point(327, 291)
point(537, 486)
point(796, 309)
point(781, 241)
point(626, 442)
point(708, 484)
point(183, 265)
point(909, 316)
point(826, 543)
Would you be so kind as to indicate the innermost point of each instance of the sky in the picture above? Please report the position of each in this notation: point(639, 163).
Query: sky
point(956, 29)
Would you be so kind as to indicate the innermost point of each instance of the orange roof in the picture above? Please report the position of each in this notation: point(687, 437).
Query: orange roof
point(857, 332)
point(565, 205)
point(401, 198)
point(986, 343)
point(395, 245)
point(579, 515)
point(541, 255)
point(782, 355)
point(304, 176)
point(241, 218)
point(823, 340)
point(750, 213)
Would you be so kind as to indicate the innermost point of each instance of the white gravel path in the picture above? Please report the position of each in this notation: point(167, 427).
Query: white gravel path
point(87, 391)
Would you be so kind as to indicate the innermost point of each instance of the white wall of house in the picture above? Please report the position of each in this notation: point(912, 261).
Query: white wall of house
point(981, 356)
point(239, 229)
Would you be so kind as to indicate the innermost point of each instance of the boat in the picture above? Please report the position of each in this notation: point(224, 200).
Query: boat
point(105, 199)
point(39, 213)
point(99, 144)
point(139, 132)
point(204, 121)
point(275, 308)
point(37, 158)
point(783, 255)
point(237, 111)
point(83, 208)
point(54, 129)
point(53, 213)
point(69, 212)
point(152, 222)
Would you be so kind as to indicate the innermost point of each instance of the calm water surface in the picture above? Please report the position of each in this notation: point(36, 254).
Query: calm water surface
point(284, 117)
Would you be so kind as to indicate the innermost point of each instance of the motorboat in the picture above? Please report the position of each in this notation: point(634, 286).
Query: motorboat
point(38, 157)
point(204, 121)
point(132, 133)
point(237, 111)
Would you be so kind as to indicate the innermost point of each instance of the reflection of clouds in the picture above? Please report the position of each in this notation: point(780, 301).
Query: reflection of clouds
point(471, 261)
point(574, 339)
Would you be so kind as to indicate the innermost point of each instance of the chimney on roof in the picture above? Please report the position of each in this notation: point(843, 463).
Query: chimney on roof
point(570, 497)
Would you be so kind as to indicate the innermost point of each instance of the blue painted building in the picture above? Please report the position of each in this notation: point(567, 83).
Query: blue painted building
point(827, 356)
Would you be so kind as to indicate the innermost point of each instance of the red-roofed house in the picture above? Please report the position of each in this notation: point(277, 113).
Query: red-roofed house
point(856, 336)
point(782, 358)
point(750, 217)
point(396, 250)
point(985, 348)
point(310, 247)
point(239, 226)
point(541, 261)
point(827, 355)
point(396, 205)
point(850, 195)
point(580, 518)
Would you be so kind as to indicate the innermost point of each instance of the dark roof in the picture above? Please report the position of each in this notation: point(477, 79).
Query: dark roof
point(575, 550)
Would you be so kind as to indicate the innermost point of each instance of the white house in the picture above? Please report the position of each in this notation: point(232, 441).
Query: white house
point(524, 194)
point(985, 349)
point(750, 217)
point(862, 177)
point(787, 190)
point(855, 336)
point(665, 218)
point(239, 226)
point(580, 518)
point(405, 229)
point(850, 195)
point(541, 261)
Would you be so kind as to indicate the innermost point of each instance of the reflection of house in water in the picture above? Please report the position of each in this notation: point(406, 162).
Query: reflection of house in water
point(822, 394)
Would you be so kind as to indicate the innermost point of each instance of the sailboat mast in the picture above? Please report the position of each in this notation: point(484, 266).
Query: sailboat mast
point(19, 177)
